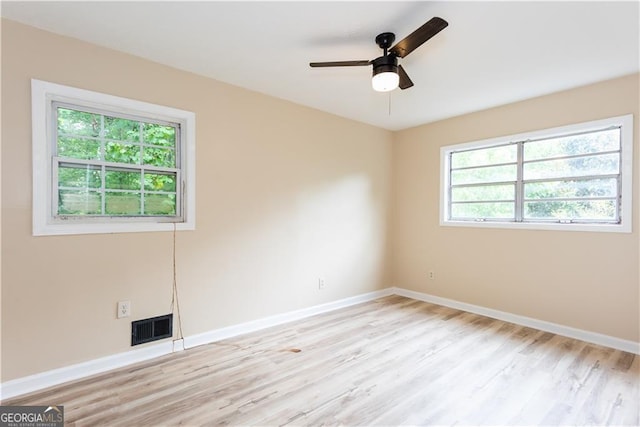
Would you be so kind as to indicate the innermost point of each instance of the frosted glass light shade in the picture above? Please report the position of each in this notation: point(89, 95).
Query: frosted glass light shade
point(385, 82)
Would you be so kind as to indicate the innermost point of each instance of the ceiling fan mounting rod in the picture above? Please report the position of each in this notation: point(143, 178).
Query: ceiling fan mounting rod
point(385, 40)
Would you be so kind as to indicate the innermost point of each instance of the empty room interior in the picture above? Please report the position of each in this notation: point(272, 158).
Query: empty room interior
point(320, 213)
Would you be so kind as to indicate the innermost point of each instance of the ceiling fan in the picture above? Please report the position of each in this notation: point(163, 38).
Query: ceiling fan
point(387, 74)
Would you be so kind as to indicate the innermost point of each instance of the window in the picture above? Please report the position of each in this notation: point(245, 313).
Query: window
point(572, 178)
point(105, 164)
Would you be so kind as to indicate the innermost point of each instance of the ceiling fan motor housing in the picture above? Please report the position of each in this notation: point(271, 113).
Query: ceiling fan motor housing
point(385, 64)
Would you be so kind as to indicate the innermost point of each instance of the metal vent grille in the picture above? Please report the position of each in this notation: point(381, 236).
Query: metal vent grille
point(152, 329)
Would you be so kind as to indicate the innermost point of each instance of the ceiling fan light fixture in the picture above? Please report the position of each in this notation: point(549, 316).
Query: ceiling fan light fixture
point(385, 81)
point(385, 74)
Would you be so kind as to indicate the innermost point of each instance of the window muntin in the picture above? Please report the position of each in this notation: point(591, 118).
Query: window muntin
point(106, 164)
point(484, 174)
point(114, 166)
point(573, 175)
point(500, 154)
point(607, 140)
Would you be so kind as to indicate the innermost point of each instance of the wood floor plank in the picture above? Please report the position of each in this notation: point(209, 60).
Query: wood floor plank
point(392, 361)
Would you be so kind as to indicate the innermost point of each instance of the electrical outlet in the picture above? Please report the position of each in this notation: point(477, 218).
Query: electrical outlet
point(124, 309)
point(321, 283)
point(432, 275)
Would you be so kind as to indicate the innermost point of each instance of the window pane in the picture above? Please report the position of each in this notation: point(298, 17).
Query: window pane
point(120, 180)
point(486, 174)
point(159, 157)
point(78, 123)
point(160, 204)
point(160, 182)
point(121, 129)
point(122, 203)
point(485, 156)
point(579, 209)
point(122, 153)
point(572, 189)
point(79, 202)
point(500, 210)
point(581, 166)
point(606, 140)
point(484, 192)
point(79, 148)
point(79, 176)
point(164, 136)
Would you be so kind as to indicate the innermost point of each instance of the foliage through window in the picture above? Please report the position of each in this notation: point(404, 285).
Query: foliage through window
point(573, 175)
point(109, 164)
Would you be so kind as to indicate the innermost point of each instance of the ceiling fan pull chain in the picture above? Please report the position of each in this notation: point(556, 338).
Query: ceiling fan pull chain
point(389, 104)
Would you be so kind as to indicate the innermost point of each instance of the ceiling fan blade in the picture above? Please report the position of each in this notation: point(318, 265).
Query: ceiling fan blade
point(340, 64)
point(405, 81)
point(414, 40)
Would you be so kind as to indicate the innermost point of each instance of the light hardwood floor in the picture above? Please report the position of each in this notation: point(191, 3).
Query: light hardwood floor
point(393, 361)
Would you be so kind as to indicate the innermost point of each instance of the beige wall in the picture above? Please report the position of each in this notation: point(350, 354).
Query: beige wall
point(284, 194)
point(584, 280)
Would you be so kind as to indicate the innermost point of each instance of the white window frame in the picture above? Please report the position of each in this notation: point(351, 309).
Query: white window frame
point(626, 170)
point(43, 96)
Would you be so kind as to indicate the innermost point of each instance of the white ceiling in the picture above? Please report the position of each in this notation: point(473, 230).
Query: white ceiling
point(491, 54)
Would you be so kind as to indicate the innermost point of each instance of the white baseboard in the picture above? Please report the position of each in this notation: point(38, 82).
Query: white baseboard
point(567, 331)
point(178, 345)
point(278, 319)
point(46, 379)
point(69, 373)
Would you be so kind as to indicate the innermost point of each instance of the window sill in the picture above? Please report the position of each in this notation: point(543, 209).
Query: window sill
point(606, 228)
point(61, 229)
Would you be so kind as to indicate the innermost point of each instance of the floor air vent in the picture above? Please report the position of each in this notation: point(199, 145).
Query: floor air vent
point(153, 329)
